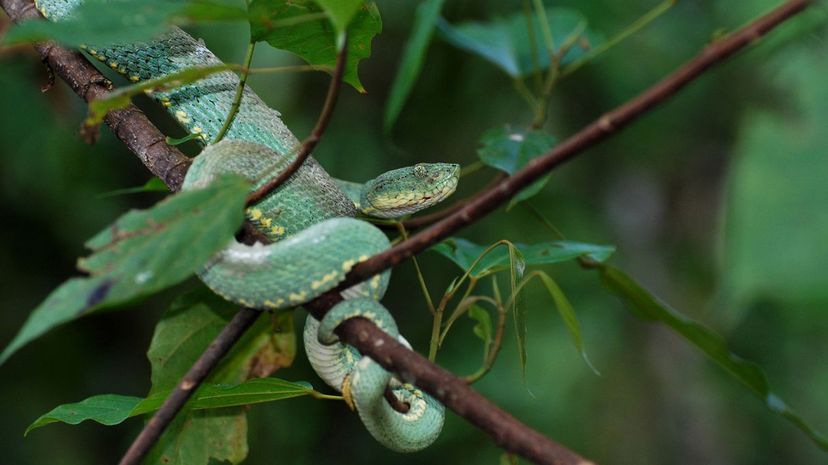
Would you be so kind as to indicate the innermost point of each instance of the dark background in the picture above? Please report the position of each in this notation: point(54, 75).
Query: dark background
point(716, 202)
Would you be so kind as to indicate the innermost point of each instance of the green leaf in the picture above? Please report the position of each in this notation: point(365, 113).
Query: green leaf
point(142, 253)
point(312, 37)
point(463, 253)
point(517, 265)
point(483, 328)
point(101, 22)
point(412, 60)
point(108, 22)
point(776, 220)
point(340, 11)
point(567, 313)
point(506, 42)
point(712, 344)
point(510, 150)
point(185, 331)
point(112, 409)
point(203, 437)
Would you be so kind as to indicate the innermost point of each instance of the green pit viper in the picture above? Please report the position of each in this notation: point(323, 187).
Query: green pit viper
point(310, 219)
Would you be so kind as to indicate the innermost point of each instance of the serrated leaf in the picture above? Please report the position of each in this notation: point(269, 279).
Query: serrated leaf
point(340, 11)
point(143, 252)
point(464, 252)
point(506, 42)
point(313, 38)
point(112, 409)
point(184, 332)
point(712, 344)
point(412, 60)
point(509, 150)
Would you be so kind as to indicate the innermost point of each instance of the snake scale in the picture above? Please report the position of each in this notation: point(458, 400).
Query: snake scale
point(310, 219)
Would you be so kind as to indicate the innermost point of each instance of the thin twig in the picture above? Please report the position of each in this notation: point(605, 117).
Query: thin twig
point(636, 26)
point(234, 107)
point(310, 142)
point(430, 218)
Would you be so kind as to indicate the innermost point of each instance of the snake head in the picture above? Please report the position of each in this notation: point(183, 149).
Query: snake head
point(407, 190)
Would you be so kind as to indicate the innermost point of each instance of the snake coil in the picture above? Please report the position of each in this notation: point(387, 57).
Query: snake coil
point(310, 219)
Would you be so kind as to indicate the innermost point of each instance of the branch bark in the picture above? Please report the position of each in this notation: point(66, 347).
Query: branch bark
point(166, 162)
point(129, 124)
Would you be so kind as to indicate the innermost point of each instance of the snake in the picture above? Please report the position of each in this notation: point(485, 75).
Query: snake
point(315, 224)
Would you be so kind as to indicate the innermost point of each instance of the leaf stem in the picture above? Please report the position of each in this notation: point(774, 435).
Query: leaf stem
point(234, 107)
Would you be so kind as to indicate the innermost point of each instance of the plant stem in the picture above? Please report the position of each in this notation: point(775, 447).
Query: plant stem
point(420, 278)
point(234, 107)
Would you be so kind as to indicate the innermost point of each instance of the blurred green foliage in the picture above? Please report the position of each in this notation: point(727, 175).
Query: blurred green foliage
point(716, 202)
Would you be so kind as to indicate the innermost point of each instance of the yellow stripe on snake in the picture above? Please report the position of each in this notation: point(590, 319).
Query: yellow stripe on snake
point(310, 219)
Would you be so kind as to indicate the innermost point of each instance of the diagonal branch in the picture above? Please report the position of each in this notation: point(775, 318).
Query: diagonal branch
point(456, 395)
point(129, 124)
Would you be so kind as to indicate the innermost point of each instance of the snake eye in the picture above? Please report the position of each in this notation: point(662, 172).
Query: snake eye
point(420, 171)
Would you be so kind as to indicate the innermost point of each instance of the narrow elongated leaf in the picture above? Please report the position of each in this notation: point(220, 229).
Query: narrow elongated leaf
point(312, 37)
point(509, 150)
point(153, 185)
point(412, 60)
point(122, 97)
point(712, 344)
point(517, 265)
point(506, 42)
point(141, 253)
point(112, 409)
point(464, 252)
point(567, 313)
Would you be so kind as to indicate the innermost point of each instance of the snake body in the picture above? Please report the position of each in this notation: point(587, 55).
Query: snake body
point(310, 219)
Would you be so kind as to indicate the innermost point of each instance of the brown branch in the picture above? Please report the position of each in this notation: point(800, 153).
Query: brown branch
point(430, 218)
point(129, 124)
point(310, 142)
point(455, 394)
